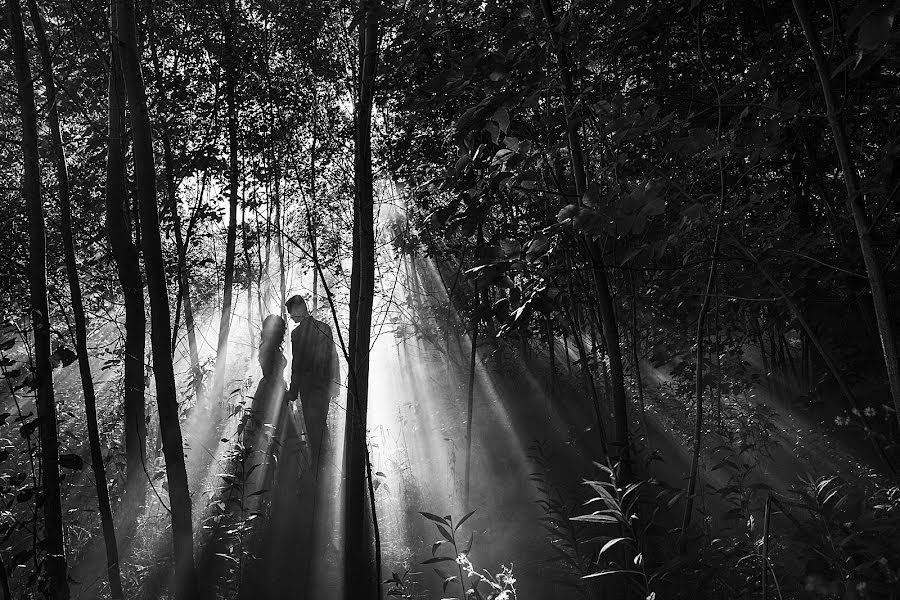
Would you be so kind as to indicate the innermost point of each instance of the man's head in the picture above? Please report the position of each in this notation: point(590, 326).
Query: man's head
point(296, 307)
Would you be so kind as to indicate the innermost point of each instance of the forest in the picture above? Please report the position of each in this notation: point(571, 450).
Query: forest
point(433, 299)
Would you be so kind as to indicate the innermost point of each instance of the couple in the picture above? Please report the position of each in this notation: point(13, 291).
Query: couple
point(315, 372)
point(272, 437)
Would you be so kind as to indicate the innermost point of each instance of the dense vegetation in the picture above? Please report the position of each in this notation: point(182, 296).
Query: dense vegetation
point(682, 218)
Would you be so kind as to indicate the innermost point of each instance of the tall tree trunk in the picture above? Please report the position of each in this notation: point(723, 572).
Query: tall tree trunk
point(233, 174)
point(704, 311)
point(857, 208)
point(55, 562)
point(551, 350)
point(635, 355)
point(600, 281)
point(185, 584)
point(313, 239)
point(279, 221)
point(84, 367)
point(249, 265)
point(362, 568)
point(470, 411)
point(128, 269)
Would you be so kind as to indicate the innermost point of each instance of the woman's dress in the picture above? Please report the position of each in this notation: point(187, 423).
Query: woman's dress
point(275, 461)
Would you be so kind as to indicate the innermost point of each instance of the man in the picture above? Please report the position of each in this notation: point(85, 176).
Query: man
point(315, 372)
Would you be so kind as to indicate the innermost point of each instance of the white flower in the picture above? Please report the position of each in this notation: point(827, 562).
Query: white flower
point(869, 411)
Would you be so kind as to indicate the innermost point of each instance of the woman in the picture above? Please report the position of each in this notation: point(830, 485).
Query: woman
point(263, 421)
point(272, 490)
point(253, 468)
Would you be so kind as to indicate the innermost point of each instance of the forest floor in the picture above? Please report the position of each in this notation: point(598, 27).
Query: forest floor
point(417, 428)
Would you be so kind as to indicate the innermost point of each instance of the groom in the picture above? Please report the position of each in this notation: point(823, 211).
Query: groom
point(315, 372)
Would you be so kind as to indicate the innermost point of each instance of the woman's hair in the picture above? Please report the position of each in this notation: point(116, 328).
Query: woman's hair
point(271, 360)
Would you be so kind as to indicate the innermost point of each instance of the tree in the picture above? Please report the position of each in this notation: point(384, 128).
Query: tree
point(128, 269)
point(186, 584)
point(229, 25)
point(57, 588)
point(87, 381)
point(856, 206)
point(358, 518)
point(600, 281)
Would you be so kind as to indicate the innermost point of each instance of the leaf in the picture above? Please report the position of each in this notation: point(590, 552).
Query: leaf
point(674, 499)
point(467, 119)
point(438, 559)
point(612, 543)
point(596, 519)
point(71, 461)
point(62, 357)
point(511, 248)
point(859, 13)
point(567, 212)
point(433, 517)
point(604, 573)
point(501, 116)
point(501, 156)
point(28, 428)
point(446, 533)
point(464, 519)
point(537, 247)
point(875, 30)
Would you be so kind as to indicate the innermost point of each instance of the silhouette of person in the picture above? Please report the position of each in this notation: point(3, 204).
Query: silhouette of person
point(315, 371)
point(265, 471)
point(267, 414)
point(276, 491)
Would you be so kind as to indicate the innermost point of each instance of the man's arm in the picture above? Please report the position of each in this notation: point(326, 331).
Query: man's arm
point(335, 388)
point(333, 371)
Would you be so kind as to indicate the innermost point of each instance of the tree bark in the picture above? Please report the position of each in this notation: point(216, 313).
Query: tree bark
point(84, 367)
point(128, 269)
point(233, 173)
point(185, 584)
point(362, 560)
point(55, 562)
point(856, 207)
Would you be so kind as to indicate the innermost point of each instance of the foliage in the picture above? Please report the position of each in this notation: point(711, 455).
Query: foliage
point(500, 586)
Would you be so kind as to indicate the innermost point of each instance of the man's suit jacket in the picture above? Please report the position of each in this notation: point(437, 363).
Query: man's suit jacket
point(314, 367)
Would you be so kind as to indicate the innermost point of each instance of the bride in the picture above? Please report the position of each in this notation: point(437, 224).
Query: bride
point(273, 428)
